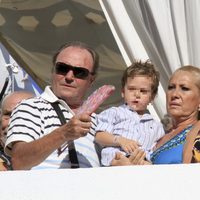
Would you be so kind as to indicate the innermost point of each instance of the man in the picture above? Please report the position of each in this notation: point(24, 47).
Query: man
point(7, 106)
point(36, 137)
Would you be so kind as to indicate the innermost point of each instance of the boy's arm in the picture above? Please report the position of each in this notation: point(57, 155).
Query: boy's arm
point(108, 139)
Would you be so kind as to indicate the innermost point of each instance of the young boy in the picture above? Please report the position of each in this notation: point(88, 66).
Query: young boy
point(129, 126)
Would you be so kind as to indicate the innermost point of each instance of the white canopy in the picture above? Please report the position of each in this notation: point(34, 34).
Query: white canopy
point(33, 30)
point(165, 31)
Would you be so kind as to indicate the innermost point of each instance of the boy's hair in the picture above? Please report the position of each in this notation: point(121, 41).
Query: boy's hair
point(142, 68)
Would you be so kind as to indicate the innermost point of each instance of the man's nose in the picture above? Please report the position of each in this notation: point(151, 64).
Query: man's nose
point(69, 75)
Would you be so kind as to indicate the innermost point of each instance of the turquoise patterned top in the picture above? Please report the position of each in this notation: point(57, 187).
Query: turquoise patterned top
point(171, 152)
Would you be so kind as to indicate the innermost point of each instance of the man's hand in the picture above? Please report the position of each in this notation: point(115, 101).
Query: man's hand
point(78, 126)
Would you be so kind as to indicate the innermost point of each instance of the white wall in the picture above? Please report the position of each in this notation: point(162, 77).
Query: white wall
point(166, 182)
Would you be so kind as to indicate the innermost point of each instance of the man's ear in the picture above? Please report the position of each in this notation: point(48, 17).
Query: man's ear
point(92, 79)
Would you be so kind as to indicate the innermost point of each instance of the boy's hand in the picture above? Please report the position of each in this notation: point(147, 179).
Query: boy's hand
point(128, 145)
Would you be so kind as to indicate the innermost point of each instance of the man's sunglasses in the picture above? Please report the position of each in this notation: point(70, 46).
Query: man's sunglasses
point(79, 72)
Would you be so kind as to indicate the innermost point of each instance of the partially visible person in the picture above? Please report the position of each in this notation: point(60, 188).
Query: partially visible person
point(196, 149)
point(8, 104)
point(167, 123)
point(5, 163)
point(129, 126)
point(36, 136)
point(183, 105)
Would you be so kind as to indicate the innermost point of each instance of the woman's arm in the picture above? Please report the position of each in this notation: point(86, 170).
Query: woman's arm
point(2, 166)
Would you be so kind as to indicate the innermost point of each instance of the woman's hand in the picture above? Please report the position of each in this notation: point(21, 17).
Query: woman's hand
point(138, 158)
point(120, 160)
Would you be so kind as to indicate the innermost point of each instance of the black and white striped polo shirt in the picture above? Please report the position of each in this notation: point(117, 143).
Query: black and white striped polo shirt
point(35, 117)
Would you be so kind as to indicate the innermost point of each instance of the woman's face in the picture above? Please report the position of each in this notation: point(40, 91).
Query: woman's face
point(183, 96)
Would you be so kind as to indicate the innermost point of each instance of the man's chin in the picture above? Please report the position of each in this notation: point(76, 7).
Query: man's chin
point(71, 100)
point(67, 94)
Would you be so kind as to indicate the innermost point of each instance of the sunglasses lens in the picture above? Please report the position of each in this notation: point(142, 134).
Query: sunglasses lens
point(79, 72)
point(61, 68)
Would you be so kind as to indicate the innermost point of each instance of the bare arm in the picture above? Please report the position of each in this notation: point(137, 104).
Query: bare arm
point(27, 155)
point(2, 167)
point(105, 139)
point(108, 139)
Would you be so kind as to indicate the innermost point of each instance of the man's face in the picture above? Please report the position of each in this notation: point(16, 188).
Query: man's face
point(68, 87)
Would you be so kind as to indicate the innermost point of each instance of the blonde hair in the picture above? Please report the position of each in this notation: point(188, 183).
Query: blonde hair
point(195, 71)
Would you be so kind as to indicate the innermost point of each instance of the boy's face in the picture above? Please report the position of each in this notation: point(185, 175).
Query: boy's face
point(137, 93)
